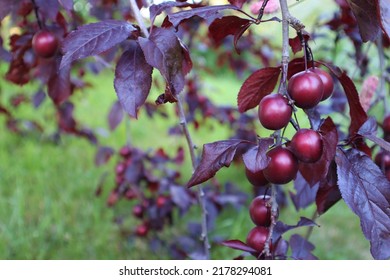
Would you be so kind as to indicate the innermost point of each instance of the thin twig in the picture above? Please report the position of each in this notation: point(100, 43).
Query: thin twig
point(201, 195)
point(310, 229)
point(382, 79)
point(37, 14)
point(283, 90)
point(138, 17)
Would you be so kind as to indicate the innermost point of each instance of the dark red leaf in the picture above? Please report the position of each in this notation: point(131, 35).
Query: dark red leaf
point(301, 249)
point(255, 158)
point(384, 12)
point(295, 43)
point(163, 50)
point(103, 155)
point(294, 66)
point(256, 86)
point(304, 193)
point(229, 25)
point(365, 12)
point(238, 245)
point(94, 38)
point(368, 130)
point(328, 193)
point(133, 79)
point(208, 13)
point(115, 116)
point(281, 228)
point(59, 85)
point(214, 156)
point(315, 172)
point(366, 191)
point(357, 114)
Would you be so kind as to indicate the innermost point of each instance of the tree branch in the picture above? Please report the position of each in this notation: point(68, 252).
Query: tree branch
point(201, 195)
point(138, 17)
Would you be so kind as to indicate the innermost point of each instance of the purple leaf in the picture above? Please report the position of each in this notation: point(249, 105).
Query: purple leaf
point(256, 86)
point(315, 172)
point(305, 194)
point(208, 13)
point(229, 25)
point(384, 12)
point(133, 79)
point(4, 54)
point(164, 51)
point(366, 15)
point(366, 191)
point(103, 155)
point(238, 245)
point(180, 197)
point(94, 38)
point(255, 158)
point(301, 249)
point(38, 98)
point(368, 130)
point(214, 156)
point(8, 6)
point(115, 116)
point(48, 8)
point(328, 193)
point(281, 228)
point(59, 85)
point(67, 4)
point(155, 10)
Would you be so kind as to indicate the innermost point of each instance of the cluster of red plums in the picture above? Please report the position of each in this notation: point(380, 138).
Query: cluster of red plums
point(306, 89)
point(382, 159)
point(260, 213)
point(45, 44)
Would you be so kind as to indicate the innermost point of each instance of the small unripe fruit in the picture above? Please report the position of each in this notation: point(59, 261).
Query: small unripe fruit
point(256, 178)
point(256, 238)
point(45, 44)
point(274, 111)
point(327, 82)
point(283, 166)
point(306, 89)
point(307, 145)
point(260, 211)
point(125, 151)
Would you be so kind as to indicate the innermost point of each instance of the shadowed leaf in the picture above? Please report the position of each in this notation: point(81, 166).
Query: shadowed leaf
point(366, 191)
point(133, 79)
point(368, 130)
point(255, 158)
point(238, 245)
point(115, 116)
point(214, 156)
point(301, 249)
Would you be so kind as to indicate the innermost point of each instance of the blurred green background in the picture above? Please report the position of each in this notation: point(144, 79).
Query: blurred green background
point(48, 207)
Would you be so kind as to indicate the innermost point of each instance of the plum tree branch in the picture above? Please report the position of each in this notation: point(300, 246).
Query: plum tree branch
point(138, 17)
point(200, 192)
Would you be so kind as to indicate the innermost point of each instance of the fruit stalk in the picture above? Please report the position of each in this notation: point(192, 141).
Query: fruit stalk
point(37, 14)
